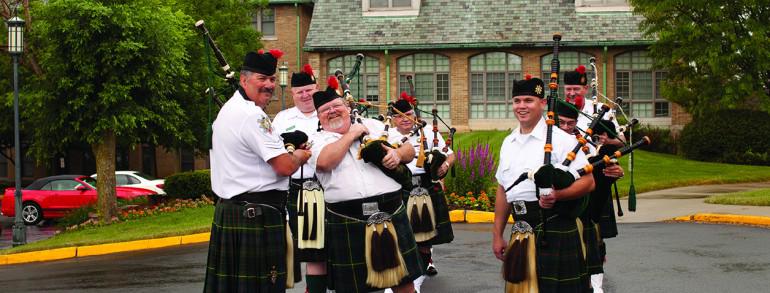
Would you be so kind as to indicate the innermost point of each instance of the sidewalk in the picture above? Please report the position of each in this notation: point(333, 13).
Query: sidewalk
point(662, 205)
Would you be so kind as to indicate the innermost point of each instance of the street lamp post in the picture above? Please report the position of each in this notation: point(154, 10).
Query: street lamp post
point(16, 48)
point(283, 76)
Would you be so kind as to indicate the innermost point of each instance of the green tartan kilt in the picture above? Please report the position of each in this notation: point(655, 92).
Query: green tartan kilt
point(444, 232)
point(608, 227)
point(592, 241)
point(246, 254)
point(560, 264)
point(300, 255)
point(345, 248)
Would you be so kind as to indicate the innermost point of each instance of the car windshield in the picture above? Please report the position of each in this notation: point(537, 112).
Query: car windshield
point(90, 180)
point(145, 176)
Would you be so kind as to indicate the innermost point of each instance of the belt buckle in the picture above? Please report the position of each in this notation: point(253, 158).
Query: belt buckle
point(252, 212)
point(519, 207)
point(370, 208)
point(416, 180)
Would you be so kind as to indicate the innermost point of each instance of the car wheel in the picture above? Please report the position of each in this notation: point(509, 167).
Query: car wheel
point(31, 213)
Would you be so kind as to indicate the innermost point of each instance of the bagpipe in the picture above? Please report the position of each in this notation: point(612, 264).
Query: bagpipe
point(227, 74)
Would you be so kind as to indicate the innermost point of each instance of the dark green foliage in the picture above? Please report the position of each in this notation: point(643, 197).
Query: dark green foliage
point(662, 141)
point(715, 52)
point(189, 185)
point(728, 136)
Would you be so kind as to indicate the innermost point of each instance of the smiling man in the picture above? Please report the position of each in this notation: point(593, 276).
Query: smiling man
point(560, 264)
point(357, 192)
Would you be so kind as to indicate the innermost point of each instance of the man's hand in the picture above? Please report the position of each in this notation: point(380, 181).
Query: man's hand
point(613, 171)
point(302, 155)
point(391, 159)
point(358, 130)
point(547, 200)
point(498, 247)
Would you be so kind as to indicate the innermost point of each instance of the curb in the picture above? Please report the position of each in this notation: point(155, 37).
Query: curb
point(473, 217)
point(726, 219)
point(100, 249)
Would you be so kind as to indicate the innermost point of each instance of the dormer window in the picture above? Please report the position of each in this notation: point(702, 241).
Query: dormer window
point(601, 5)
point(390, 7)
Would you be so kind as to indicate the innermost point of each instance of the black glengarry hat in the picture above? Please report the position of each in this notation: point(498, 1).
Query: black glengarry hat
point(605, 126)
point(322, 97)
point(566, 109)
point(261, 62)
point(577, 77)
point(405, 103)
point(304, 77)
point(529, 87)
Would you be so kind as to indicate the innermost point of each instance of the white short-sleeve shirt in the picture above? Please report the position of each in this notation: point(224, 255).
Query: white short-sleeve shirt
point(415, 141)
point(293, 119)
point(524, 152)
point(588, 108)
point(243, 141)
point(352, 178)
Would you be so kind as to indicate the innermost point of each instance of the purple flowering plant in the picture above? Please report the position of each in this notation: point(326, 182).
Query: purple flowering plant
point(474, 171)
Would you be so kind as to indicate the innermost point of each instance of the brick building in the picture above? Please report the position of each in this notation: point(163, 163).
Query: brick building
point(463, 55)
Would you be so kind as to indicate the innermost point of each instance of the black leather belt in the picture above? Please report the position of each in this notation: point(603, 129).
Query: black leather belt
point(389, 202)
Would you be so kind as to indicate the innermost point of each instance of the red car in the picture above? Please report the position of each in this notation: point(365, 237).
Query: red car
point(53, 197)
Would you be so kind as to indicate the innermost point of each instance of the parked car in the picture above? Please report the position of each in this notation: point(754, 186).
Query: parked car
point(138, 179)
point(52, 197)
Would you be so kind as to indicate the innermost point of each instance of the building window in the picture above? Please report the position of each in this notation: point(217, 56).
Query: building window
point(3, 165)
point(390, 7)
point(264, 22)
point(366, 84)
point(492, 76)
point(568, 61)
point(187, 159)
point(639, 85)
point(431, 80)
point(601, 5)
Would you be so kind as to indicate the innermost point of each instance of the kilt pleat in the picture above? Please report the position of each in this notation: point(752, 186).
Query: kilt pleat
point(246, 254)
point(345, 248)
point(300, 255)
point(560, 264)
point(592, 241)
point(607, 224)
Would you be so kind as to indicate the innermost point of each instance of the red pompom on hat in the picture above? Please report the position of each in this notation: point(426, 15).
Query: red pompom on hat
point(276, 53)
point(581, 69)
point(527, 76)
point(260, 52)
point(307, 69)
point(332, 82)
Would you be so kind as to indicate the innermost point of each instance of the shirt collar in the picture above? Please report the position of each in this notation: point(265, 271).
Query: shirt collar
point(538, 132)
point(297, 113)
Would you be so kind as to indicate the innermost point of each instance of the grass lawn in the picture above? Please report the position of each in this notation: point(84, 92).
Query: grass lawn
point(759, 197)
point(183, 222)
point(652, 171)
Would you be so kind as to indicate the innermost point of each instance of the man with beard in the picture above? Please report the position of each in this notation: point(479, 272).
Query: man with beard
point(357, 193)
point(560, 264)
point(302, 120)
point(249, 174)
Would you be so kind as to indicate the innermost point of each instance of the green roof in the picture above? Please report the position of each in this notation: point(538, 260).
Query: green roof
point(339, 25)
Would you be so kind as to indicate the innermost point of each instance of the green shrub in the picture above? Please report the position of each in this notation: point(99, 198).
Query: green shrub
point(728, 136)
point(662, 141)
point(189, 185)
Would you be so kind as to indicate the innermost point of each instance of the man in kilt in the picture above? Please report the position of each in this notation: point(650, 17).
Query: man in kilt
point(249, 169)
point(353, 191)
point(560, 263)
point(576, 88)
point(302, 118)
point(404, 124)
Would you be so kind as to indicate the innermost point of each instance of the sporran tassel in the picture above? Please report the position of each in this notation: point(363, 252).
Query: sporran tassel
point(385, 266)
point(312, 224)
point(305, 221)
point(519, 266)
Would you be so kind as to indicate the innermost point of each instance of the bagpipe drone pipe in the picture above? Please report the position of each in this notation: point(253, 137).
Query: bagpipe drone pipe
point(227, 74)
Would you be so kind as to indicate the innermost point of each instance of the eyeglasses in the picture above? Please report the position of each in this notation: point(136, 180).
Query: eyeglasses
point(331, 106)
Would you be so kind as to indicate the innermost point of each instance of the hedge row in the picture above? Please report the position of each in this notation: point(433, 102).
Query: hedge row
point(189, 185)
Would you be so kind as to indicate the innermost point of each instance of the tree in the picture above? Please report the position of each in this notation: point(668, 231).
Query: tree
point(112, 70)
point(715, 51)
